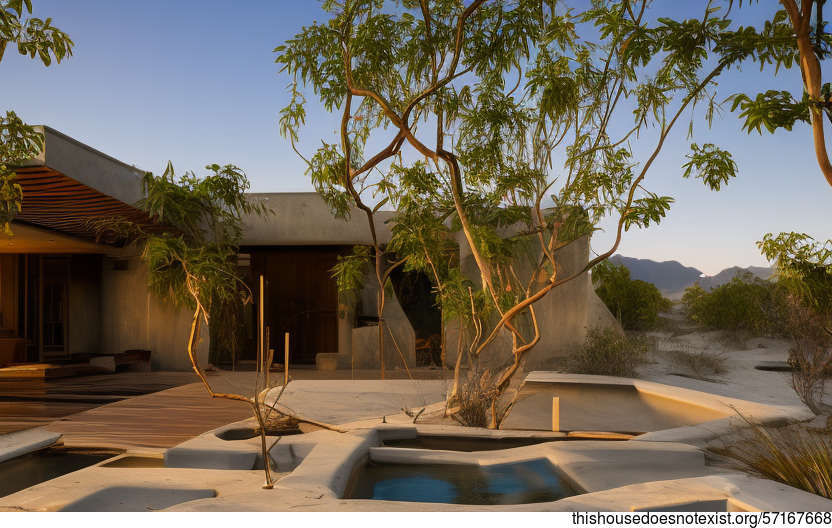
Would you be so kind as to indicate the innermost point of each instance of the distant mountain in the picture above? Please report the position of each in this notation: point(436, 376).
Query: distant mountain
point(668, 276)
point(671, 277)
point(725, 276)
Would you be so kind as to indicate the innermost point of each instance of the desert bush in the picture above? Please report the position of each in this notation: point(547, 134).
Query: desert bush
point(608, 353)
point(795, 455)
point(810, 356)
point(636, 304)
point(804, 270)
point(700, 363)
point(745, 304)
point(478, 403)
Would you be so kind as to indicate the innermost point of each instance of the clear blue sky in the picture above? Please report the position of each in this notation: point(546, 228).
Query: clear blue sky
point(195, 82)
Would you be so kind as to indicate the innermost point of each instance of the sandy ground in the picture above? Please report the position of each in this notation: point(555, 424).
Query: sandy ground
point(737, 358)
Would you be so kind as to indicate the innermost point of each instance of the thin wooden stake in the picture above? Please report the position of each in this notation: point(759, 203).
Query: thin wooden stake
point(556, 414)
point(286, 361)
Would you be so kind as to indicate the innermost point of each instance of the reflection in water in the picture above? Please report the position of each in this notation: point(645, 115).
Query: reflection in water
point(514, 483)
point(26, 471)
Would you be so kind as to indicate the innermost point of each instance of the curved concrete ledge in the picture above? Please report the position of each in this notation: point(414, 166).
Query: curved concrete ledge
point(661, 470)
point(689, 416)
point(21, 442)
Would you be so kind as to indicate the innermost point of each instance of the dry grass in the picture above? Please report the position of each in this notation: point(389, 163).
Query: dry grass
point(699, 363)
point(796, 455)
point(477, 403)
point(607, 353)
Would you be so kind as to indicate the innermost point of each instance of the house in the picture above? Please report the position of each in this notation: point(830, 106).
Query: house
point(64, 294)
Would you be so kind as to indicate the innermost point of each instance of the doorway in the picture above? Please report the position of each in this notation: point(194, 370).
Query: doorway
point(301, 298)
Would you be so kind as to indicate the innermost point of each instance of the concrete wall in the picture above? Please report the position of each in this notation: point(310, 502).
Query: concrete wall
point(91, 167)
point(305, 219)
point(134, 319)
point(365, 349)
point(564, 315)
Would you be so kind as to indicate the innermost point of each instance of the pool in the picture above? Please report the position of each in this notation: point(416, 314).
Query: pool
point(511, 483)
point(28, 470)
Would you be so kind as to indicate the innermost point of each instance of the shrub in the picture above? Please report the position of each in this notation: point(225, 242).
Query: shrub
point(701, 364)
point(795, 455)
point(804, 270)
point(636, 304)
point(608, 353)
point(476, 402)
point(746, 303)
point(810, 356)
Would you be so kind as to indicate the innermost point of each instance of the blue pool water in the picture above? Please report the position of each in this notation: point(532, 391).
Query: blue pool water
point(514, 483)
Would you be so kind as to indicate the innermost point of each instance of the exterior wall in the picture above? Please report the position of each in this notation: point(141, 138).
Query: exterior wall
point(564, 315)
point(132, 319)
point(305, 219)
point(365, 349)
point(86, 165)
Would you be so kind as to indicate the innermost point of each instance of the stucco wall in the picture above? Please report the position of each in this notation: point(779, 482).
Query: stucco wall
point(563, 315)
point(364, 347)
point(134, 319)
point(305, 219)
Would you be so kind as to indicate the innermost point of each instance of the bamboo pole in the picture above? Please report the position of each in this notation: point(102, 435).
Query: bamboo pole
point(286, 361)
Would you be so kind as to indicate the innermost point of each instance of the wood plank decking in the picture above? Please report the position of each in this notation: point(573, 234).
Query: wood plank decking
point(139, 411)
point(152, 422)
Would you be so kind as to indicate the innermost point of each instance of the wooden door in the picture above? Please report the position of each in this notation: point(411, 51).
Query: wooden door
point(302, 299)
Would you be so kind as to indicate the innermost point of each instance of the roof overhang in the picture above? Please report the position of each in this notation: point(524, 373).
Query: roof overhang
point(70, 184)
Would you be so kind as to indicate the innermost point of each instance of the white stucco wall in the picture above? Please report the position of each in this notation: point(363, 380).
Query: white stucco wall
point(132, 318)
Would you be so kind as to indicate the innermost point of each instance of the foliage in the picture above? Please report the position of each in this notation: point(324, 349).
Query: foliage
point(191, 255)
point(702, 363)
point(804, 269)
point(474, 401)
point(608, 353)
point(19, 142)
point(192, 260)
point(796, 455)
point(349, 271)
point(466, 117)
point(636, 304)
point(746, 303)
point(795, 34)
point(810, 356)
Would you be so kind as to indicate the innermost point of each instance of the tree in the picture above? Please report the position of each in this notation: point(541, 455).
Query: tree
point(484, 111)
point(191, 256)
point(18, 141)
point(635, 303)
point(804, 269)
point(792, 35)
point(797, 34)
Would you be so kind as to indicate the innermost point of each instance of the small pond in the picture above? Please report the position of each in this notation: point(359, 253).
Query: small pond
point(28, 470)
point(513, 483)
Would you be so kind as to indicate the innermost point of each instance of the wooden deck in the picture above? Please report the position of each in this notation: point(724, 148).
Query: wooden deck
point(139, 411)
point(152, 422)
point(34, 403)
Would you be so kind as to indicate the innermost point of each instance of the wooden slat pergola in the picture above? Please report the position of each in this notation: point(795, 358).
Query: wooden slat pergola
point(56, 201)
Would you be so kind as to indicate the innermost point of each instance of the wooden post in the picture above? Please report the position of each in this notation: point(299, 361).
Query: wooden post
point(286, 361)
point(261, 325)
point(556, 414)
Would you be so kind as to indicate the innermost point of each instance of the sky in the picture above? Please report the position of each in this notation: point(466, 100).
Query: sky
point(194, 82)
